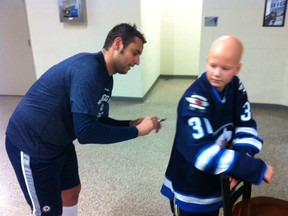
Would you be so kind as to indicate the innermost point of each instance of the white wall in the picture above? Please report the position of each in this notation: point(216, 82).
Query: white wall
point(149, 70)
point(264, 71)
point(284, 97)
point(177, 40)
point(180, 36)
point(151, 26)
point(53, 41)
point(16, 62)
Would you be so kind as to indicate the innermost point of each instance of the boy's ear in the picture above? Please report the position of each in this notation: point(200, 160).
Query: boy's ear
point(238, 68)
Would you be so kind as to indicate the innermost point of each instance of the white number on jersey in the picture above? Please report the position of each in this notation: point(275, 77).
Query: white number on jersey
point(196, 125)
point(246, 116)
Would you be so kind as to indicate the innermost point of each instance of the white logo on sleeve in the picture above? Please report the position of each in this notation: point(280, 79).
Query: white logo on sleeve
point(197, 102)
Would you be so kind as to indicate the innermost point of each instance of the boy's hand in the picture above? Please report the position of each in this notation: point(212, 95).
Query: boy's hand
point(233, 182)
point(269, 174)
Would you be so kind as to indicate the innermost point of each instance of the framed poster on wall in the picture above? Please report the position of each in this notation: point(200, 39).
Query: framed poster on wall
point(274, 13)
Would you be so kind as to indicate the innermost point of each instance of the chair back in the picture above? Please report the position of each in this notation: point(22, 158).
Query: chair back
point(249, 206)
point(230, 197)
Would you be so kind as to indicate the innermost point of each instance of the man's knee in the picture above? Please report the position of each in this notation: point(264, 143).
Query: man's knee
point(70, 196)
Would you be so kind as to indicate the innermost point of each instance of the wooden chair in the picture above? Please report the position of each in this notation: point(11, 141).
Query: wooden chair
point(247, 206)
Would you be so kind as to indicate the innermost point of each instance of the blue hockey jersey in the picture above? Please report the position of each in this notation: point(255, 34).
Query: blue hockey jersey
point(208, 122)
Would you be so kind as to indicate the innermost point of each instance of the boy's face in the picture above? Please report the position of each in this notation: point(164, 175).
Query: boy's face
point(221, 67)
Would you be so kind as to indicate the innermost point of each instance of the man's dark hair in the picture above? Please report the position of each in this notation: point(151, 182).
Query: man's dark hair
point(126, 31)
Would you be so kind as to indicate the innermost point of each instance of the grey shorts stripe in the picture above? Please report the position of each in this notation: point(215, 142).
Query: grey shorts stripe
point(27, 173)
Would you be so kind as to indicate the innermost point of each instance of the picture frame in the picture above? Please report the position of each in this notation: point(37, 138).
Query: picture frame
point(72, 11)
point(274, 13)
point(211, 21)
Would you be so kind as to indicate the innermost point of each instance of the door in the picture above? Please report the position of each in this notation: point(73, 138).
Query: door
point(17, 72)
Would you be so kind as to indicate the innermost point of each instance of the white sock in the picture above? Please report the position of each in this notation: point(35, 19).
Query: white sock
point(70, 210)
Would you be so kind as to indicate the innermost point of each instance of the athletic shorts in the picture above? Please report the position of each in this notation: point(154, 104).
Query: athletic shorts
point(42, 180)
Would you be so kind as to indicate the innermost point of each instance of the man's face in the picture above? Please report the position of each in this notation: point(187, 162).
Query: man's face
point(220, 70)
point(128, 57)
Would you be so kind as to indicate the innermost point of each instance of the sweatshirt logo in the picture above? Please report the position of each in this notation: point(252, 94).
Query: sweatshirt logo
point(197, 102)
point(102, 103)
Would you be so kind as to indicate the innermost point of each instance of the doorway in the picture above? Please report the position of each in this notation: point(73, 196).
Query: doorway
point(17, 72)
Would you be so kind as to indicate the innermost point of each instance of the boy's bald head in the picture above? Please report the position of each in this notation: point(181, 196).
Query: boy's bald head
point(229, 47)
point(223, 61)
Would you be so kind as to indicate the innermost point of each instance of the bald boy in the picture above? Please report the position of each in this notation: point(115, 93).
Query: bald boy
point(215, 134)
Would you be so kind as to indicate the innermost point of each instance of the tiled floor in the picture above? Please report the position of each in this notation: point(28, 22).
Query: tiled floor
point(124, 179)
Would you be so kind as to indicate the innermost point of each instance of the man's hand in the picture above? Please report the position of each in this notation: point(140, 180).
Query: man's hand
point(136, 122)
point(146, 125)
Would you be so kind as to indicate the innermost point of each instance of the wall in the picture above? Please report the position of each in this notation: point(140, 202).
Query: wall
point(183, 41)
point(151, 25)
point(284, 97)
point(53, 41)
point(17, 67)
point(264, 71)
point(180, 36)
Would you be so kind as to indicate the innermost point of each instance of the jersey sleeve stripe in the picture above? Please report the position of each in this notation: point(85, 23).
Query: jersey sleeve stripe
point(225, 162)
point(203, 160)
point(246, 130)
point(253, 142)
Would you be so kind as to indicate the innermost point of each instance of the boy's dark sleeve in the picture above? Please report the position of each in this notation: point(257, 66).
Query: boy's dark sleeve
point(247, 168)
point(246, 137)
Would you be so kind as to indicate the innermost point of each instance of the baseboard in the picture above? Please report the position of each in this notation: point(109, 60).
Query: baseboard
point(128, 99)
point(269, 106)
point(178, 77)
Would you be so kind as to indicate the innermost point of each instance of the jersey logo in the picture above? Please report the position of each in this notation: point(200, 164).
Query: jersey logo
point(225, 137)
point(197, 102)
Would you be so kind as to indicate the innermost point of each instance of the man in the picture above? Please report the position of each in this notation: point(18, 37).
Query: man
point(71, 101)
point(213, 113)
